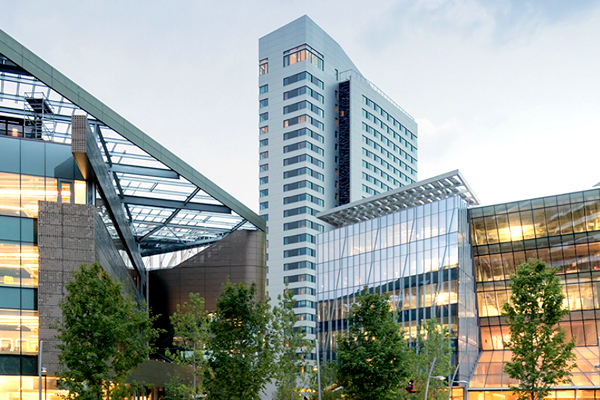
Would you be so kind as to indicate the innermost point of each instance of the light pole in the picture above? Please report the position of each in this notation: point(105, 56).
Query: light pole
point(429, 377)
point(452, 382)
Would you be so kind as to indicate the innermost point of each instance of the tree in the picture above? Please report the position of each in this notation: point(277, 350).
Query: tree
point(328, 382)
point(541, 358)
point(190, 324)
point(292, 348)
point(372, 354)
point(103, 336)
point(432, 345)
point(241, 346)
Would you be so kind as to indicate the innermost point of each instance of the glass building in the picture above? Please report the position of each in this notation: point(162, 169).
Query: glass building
point(441, 255)
point(412, 243)
point(564, 232)
point(80, 184)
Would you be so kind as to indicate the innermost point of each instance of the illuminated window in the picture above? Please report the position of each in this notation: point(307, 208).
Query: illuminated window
point(264, 129)
point(303, 53)
point(263, 66)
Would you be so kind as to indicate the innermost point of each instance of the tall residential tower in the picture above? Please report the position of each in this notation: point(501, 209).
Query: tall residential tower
point(327, 136)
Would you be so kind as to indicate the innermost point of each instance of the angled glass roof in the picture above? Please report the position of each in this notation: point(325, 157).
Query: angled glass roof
point(427, 191)
point(169, 205)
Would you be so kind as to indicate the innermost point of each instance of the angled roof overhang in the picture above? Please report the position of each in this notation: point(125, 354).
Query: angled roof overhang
point(168, 205)
point(427, 191)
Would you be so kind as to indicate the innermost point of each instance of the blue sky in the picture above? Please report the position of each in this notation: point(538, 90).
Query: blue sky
point(505, 91)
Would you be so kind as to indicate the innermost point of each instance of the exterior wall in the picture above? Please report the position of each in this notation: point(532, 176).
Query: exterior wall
point(66, 239)
point(331, 168)
point(564, 232)
point(420, 256)
point(239, 256)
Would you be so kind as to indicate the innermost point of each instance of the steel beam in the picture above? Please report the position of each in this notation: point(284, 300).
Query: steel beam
point(175, 204)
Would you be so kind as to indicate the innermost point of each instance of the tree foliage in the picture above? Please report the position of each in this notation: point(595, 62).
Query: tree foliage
point(241, 347)
point(328, 381)
point(432, 344)
point(541, 358)
point(103, 336)
point(292, 349)
point(372, 354)
point(191, 325)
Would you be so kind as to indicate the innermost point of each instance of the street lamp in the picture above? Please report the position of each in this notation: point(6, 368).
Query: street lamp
point(429, 377)
point(452, 382)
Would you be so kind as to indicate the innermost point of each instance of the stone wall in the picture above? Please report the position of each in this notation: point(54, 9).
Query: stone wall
point(66, 238)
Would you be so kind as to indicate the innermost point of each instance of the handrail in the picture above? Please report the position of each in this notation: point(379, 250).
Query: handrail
point(351, 72)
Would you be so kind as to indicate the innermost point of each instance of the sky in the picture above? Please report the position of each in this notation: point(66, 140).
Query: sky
point(506, 91)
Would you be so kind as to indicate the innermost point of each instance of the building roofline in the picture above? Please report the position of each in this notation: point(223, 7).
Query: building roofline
point(426, 191)
point(34, 65)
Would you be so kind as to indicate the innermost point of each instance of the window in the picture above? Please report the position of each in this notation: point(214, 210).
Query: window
point(264, 192)
point(302, 76)
point(264, 129)
point(303, 223)
point(303, 237)
point(264, 180)
point(264, 167)
point(264, 154)
point(263, 66)
point(302, 105)
point(263, 143)
point(303, 171)
point(304, 316)
point(263, 89)
point(303, 184)
point(303, 90)
point(298, 211)
point(304, 303)
point(265, 217)
point(263, 117)
point(264, 205)
point(303, 53)
point(298, 265)
point(304, 145)
point(301, 119)
point(299, 278)
point(302, 251)
point(302, 132)
point(303, 197)
point(301, 158)
point(263, 103)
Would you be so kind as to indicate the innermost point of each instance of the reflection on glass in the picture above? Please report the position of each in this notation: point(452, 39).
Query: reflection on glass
point(18, 264)
point(20, 194)
point(18, 331)
point(65, 192)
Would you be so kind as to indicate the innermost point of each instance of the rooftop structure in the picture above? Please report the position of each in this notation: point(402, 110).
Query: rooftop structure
point(429, 190)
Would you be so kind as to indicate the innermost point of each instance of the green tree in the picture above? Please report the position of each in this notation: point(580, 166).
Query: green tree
point(372, 354)
point(541, 358)
point(292, 349)
point(103, 335)
point(328, 382)
point(433, 343)
point(241, 345)
point(190, 324)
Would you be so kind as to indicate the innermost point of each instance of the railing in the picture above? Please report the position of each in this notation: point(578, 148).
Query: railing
point(346, 75)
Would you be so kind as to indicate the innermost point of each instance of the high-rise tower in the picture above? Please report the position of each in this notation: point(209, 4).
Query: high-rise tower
point(327, 136)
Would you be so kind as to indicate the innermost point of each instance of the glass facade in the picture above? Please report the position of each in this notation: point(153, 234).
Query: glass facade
point(564, 232)
point(30, 171)
point(420, 256)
